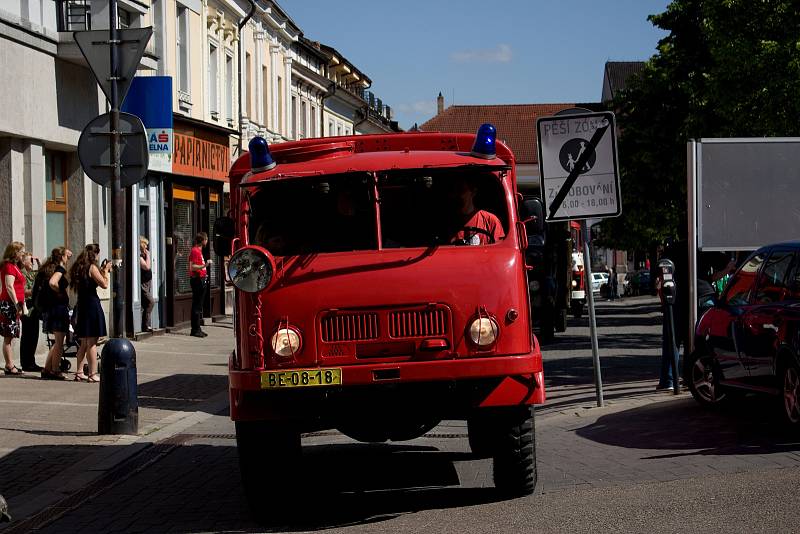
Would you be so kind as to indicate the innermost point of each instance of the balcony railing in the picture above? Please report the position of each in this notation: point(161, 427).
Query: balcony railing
point(74, 15)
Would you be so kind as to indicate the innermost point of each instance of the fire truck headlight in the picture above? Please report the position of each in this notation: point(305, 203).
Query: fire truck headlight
point(483, 331)
point(286, 342)
point(251, 269)
point(574, 283)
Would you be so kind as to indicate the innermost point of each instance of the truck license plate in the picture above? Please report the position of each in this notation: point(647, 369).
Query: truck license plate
point(301, 378)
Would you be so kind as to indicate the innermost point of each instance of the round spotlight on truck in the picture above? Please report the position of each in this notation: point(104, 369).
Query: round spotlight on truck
point(483, 331)
point(251, 269)
point(286, 341)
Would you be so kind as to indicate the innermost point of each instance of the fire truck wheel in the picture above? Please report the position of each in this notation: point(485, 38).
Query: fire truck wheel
point(515, 453)
point(483, 431)
point(259, 444)
point(547, 328)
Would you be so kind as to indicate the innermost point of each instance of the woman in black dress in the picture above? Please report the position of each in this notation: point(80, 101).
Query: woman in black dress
point(85, 277)
point(56, 314)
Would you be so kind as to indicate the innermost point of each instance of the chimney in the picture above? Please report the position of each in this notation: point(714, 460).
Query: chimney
point(439, 103)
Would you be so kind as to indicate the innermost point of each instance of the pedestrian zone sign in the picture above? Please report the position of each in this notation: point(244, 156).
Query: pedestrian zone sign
point(578, 166)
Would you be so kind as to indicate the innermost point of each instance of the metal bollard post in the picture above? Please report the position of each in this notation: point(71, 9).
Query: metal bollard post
point(118, 409)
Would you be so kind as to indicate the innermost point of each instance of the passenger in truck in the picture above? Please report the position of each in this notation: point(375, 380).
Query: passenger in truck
point(470, 225)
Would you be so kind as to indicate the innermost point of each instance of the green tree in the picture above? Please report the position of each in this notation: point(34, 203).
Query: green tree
point(727, 68)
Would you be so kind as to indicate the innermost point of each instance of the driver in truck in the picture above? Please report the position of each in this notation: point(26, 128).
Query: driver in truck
point(475, 226)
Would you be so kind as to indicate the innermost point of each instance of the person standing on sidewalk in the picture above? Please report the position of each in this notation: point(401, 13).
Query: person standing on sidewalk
point(146, 278)
point(197, 278)
point(56, 312)
point(29, 338)
point(85, 277)
point(12, 301)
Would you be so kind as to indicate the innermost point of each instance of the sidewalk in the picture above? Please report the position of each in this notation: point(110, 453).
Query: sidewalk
point(49, 446)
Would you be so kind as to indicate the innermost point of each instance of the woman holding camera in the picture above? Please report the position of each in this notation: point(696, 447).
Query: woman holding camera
point(12, 301)
point(85, 277)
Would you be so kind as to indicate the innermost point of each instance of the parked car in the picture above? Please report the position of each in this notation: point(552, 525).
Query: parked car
point(598, 279)
point(750, 339)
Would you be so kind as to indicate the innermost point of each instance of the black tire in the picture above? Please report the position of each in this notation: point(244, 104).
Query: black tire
point(515, 453)
point(269, 455)
point(789, 386)
point(702, 377)
point(577, 309)
point(482, 434)
point(547, 327)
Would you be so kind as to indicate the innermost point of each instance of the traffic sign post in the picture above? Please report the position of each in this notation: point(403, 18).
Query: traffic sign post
point(580, 180)
point(114, 57)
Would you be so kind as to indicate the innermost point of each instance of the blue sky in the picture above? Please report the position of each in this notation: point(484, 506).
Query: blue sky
point(501, 52)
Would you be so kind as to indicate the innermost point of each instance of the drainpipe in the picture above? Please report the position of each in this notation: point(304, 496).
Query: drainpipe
point(329, 93)
point(239, 61)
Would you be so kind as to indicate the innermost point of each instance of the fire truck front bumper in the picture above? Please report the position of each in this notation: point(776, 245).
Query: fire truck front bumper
point(453, 387)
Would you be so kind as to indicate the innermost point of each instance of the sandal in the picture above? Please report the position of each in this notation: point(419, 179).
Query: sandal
point(13, 370)
point(94, 378)
point(80, 377)
point(50, 375)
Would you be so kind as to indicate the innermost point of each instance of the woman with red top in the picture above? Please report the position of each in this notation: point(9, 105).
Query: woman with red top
point(12, 300)
point(197, 279)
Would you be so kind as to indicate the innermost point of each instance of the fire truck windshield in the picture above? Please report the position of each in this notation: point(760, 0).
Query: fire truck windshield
point(417, 207)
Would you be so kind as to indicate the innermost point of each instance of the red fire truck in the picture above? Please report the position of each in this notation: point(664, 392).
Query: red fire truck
point(370, 300)
point(578, 283)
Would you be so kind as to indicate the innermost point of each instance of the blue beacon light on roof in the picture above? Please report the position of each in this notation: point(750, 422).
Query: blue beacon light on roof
point(260, 156)
point(484, 146)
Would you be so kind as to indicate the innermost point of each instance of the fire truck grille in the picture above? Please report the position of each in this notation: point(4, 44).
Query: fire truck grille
point(418, 323)
point(349, 327)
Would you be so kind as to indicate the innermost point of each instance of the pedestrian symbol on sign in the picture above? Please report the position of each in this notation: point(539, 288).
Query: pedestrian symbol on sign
point(571, 152)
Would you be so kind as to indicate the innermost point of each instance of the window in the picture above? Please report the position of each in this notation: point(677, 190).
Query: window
point(313, 131)
point(213, 212)
point(737, 292)
point(279, 118)
point(794, 280)
point(213, 98)
point(339, 129)
point(293, 119)
point(229, 88)
point(416, 211)
point(249, 85)
point(303, 120)
point(183, 213)
point(330, 127)
point(124, 19)
point(182, 49)
point(772, 282)
point(56, 199)
point(264, 95)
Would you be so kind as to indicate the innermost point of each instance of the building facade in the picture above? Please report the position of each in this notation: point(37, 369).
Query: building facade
point(227, 82)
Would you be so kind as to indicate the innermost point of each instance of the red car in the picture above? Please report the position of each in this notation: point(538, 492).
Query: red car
point(369, 300)
point(749, 341)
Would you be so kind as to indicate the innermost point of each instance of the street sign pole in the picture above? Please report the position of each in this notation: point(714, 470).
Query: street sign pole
point(117, 197)
point(587, 269)
point(580, 180)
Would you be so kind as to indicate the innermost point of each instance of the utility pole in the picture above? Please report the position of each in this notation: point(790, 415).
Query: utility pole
point(117, 196)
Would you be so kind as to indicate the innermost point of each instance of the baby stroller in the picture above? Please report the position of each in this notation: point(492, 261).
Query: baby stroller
point(71, 343)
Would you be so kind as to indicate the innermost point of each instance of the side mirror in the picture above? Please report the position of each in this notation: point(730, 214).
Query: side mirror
point(531, 213)
point(224, 232)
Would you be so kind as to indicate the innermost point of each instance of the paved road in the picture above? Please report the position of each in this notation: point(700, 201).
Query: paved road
point(646, 462)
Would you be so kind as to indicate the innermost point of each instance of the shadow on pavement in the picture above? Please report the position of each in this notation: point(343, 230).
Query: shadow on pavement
point(27, 467)
point(183, 392)
point(615, 369)
point(196, 487)
point(740, 427)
